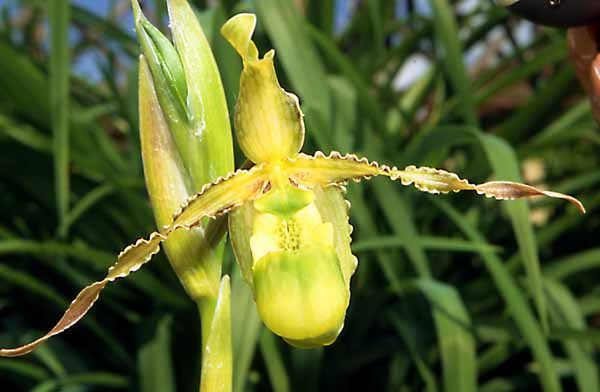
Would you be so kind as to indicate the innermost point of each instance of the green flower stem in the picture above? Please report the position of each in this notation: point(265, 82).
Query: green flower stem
point(206, 308)
point(217, 356)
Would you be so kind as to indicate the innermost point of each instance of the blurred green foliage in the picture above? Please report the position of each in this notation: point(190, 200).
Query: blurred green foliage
point(452, 293)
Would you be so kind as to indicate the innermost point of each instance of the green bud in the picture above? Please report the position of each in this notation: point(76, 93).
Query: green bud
point(196, 263)
point(168, 61)
point(190, 93)
point(166, 68)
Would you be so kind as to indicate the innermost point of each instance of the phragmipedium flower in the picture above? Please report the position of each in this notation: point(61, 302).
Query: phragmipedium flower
point(288, 219)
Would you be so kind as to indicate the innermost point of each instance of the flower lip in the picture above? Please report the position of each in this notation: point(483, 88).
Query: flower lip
point(301, 295)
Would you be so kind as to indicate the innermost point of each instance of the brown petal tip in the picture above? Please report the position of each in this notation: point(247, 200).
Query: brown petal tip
point(507, 190)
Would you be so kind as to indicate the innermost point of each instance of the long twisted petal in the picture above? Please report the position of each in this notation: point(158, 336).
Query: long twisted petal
point(335, 168)
point(214, 200)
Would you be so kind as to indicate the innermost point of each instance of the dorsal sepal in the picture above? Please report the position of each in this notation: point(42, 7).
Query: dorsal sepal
point(268, 121)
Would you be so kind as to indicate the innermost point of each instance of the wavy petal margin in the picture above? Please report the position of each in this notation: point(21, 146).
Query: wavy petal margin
point(335, 169)
point(214, 200)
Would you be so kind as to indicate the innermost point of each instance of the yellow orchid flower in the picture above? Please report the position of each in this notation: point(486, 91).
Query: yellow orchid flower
point(288, 219)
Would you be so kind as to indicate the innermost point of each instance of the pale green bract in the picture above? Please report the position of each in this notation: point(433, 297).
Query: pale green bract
point(288, 220)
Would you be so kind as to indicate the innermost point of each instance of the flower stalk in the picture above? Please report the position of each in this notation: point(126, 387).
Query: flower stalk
point(186, 144)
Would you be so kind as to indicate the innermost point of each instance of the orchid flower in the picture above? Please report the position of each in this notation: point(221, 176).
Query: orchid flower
point(288, 218)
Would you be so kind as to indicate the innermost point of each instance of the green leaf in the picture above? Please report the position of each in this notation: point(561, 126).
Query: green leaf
point(50, 360)
point(154, 360)
point(350, 72)
point(345, 109)
point(59, 101)
point(562, 129)
point(446, 244)
point(505, 165)
point(25, 135)
point(23, 369)
point(566, 266)
point(446, 31)
point(246, 328)
point(274, 362)
point(456, 342)
point(100, 379)
point(86, 203)
point(306, 365)
point(407, 332)
point(515, 302)
point(402, 221)
point(565, 312)
point(25, 85)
